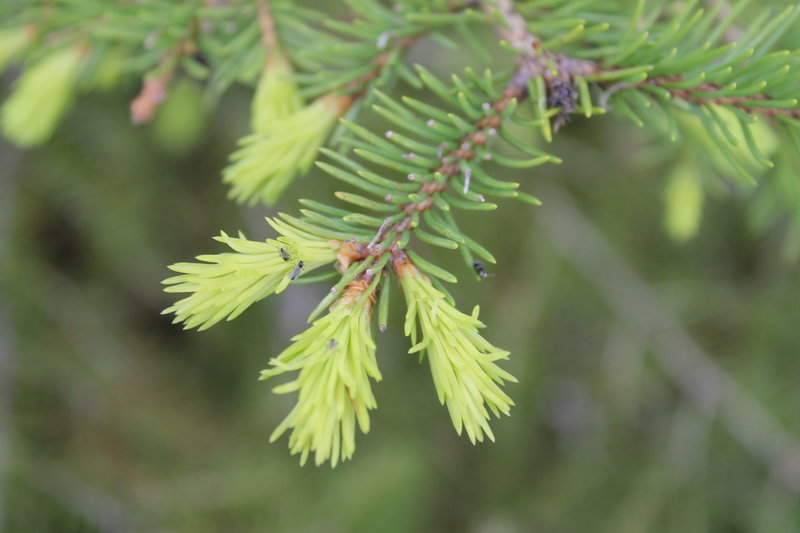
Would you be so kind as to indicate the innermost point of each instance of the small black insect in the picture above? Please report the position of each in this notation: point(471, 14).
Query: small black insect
point(284, 254)
point(296, 272)
point(201, 59)
point(478, 266)
point(332, 345)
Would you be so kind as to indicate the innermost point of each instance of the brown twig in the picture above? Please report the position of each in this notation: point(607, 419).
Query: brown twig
point(269, 37)
point(533, 61)
point(691, 95)
point(156, 82)
point(381, 61)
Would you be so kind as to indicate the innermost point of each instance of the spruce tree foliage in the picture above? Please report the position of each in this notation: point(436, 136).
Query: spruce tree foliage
point(718, 80)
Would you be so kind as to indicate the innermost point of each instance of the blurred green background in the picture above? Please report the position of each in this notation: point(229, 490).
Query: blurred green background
point(658, 382)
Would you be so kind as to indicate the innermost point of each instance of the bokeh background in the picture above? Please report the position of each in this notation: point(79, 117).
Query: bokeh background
point(659, 382)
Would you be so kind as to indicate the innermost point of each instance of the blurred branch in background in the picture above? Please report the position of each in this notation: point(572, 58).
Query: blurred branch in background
point(644, 316)
point(99, 508)
point(8, 162)
point(6, 361)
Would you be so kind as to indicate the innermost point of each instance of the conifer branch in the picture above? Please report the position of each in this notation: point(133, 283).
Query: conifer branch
point(313, 73)
point(450, 164)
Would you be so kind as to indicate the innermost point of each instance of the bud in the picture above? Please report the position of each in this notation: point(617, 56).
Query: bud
point(41, 97)
point(463, 364)
point(268, 162)
point(335, 359)
point(276, 96)
point(224, 285)
point(13, 42)
point(683, 199)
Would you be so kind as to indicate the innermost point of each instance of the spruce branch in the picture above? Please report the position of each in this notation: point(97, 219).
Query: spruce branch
point(449, 164)
point(668, 70)
point(444, 154)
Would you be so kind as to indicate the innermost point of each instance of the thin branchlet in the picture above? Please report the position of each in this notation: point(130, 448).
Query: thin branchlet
point(449, 167)
point(741, 102)
point(156, 83)
point(269, 38)
point(559, 72)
